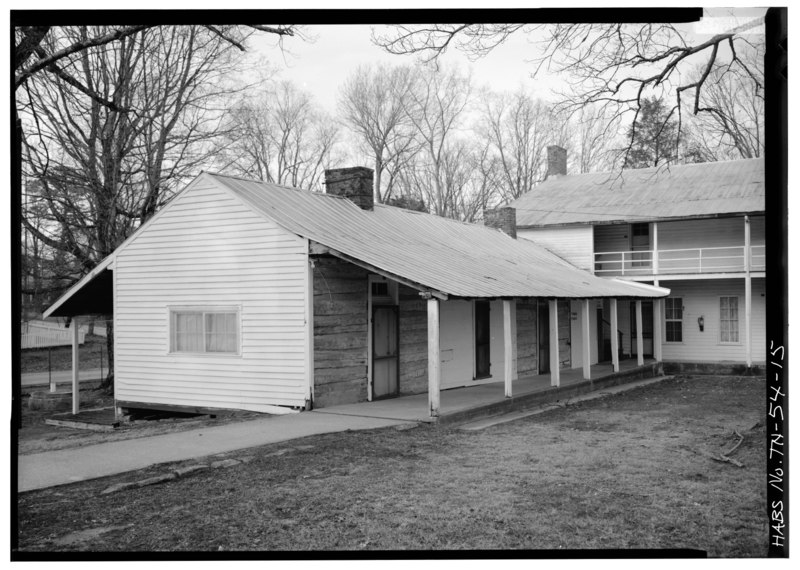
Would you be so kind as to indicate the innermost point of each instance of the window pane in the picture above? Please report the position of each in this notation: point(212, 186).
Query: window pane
point(188, 332)
point(220, 332)
point(729, 319)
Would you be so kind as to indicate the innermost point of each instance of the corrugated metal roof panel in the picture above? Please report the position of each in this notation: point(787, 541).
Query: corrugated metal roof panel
point(646, 194)
point(455, 258)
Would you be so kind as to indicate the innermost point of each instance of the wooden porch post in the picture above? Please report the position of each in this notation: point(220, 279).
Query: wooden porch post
point(658, 310)
point(587, 349)
point(76, 389)
point(614, 336)
point(748, 293)
point(434, 359)
point(555, 372)
point(639, 337)
point(508, 361)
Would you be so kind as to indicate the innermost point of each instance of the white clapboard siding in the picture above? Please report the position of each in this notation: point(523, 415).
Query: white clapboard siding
point(614, 237)
point(573, 243)
point(207, 249)
point(701, 298)
point(757, 234)
point(685, 234)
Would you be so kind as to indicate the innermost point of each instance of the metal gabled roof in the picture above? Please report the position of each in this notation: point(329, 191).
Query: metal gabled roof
point(447, 256)
point(646, 194)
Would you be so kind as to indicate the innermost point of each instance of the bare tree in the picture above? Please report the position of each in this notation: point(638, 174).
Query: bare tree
point(615, 66)
point(592, 140)
point(517, 130)
point(730, 123)
point(460, 191)
point(373, 103)
point(103, 169)
point(281, 137)
point(436, 106)
point(41, 48)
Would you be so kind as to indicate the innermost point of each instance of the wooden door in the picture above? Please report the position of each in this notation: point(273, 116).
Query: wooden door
point(385, 352)
point(647, 329)
point(564, 334)
point(483, 340)
point(640, 241)
point(543, 336)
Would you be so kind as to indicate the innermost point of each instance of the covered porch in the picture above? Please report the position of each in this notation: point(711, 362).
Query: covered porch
point(460, 404)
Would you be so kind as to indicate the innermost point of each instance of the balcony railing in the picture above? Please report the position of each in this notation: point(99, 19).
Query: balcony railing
point(678, 261)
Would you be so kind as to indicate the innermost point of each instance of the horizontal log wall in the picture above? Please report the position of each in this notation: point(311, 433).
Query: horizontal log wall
point(527, 349)
point(413, 342)
point(340, 333)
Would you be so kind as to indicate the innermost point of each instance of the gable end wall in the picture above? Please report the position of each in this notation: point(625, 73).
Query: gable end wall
point(207, 249)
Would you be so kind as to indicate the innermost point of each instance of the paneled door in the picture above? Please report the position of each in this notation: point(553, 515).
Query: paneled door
point(385, 351)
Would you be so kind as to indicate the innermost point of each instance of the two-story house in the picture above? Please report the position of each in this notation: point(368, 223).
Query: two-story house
point(697, 229)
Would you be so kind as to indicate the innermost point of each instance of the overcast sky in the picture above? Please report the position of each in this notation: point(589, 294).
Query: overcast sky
point(320, 65)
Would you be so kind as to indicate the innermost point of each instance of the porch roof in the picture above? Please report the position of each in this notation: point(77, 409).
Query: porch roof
point(91, 295)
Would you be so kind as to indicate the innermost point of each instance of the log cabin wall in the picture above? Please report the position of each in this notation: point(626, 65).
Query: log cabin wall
point(340, 333)
point(527, 350)
point(413, 342)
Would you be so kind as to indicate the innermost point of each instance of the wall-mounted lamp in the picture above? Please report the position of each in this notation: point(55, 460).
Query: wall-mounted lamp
point(701, 322)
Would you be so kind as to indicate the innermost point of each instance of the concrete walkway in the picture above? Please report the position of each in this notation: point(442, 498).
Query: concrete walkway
point(51, 468)
point(40, 379)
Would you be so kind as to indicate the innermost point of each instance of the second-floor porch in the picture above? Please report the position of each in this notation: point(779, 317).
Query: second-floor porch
point(708, 247)
point(684, 261)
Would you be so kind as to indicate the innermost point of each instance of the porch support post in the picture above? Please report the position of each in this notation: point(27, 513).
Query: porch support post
point(614, 336)
point(76, 390)
point(508, 349)
point(658, 310)
point(748, 294)
point(434, 359)
point(587, 349)
point(639, 337)
point(555, 372)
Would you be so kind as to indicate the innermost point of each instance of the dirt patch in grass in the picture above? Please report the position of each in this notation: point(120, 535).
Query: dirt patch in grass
point(621, 472)
point(35, 436)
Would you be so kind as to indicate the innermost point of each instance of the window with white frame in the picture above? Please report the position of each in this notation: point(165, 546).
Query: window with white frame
point(213, 330)
point(729, 319)
point(673, 318)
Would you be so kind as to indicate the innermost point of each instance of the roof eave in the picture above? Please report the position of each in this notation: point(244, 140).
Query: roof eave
point(85, 280)
point(642, 220)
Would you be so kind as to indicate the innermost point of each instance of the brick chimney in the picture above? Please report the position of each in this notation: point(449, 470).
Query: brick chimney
point(556, 161)
point(353, 183)
point(503, 218)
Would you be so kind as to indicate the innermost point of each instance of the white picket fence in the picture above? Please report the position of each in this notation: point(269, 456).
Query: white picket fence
point(43, 339)
point(41, 334)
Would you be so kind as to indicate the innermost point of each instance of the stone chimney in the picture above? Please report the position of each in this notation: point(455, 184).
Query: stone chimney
point(556, 161)
point(353, 183)
point(503, 218)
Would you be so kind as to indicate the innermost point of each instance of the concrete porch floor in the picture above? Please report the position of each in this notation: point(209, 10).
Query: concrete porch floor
point(458, 404)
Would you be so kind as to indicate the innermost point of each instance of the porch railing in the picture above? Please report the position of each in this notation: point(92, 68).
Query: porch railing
point(675, 261)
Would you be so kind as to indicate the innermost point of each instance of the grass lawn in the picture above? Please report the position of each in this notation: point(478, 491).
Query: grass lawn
point(628, 471)
point(60, 358)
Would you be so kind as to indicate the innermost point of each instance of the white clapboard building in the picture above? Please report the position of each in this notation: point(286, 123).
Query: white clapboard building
point(697, 229)
point(246, 295)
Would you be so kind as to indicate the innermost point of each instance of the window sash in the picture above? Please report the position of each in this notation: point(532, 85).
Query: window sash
point(729, 319)
point(205, 332)
point(673, 317)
